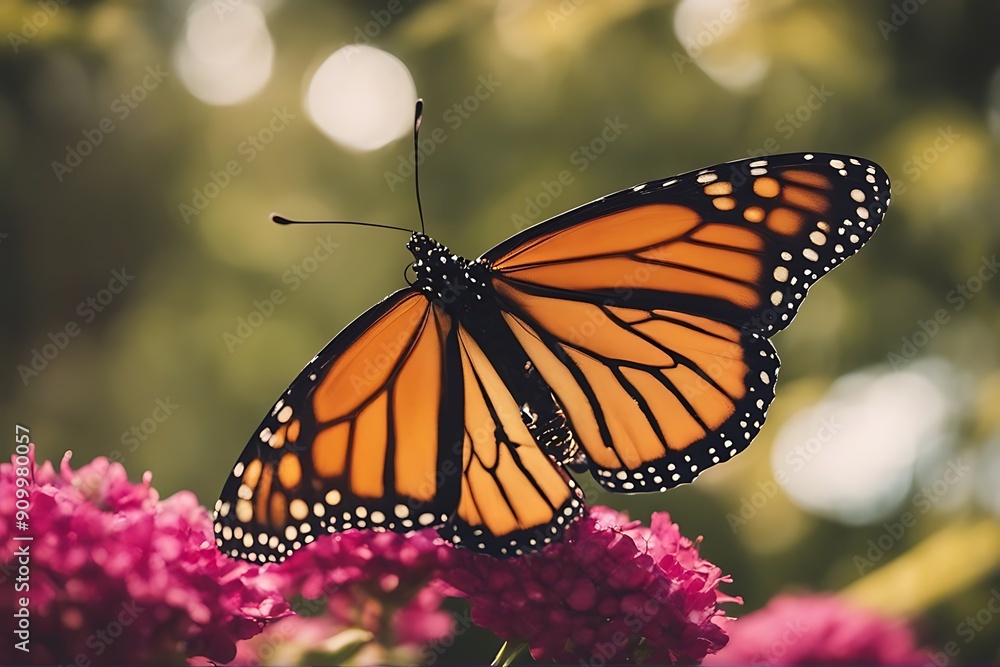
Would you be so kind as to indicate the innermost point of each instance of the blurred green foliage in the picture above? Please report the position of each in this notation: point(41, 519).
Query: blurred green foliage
point(896, 80)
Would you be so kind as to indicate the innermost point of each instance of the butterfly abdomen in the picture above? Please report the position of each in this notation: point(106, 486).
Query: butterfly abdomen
point(550, 428)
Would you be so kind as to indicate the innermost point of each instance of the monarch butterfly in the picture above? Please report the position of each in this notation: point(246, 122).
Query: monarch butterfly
point(627, 337)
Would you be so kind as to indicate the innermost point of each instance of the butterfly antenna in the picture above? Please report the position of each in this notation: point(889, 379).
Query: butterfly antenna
point(281, 220)
point(416, 158)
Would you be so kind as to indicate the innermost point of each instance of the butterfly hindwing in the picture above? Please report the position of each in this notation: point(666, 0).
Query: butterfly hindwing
point(673, 397)
point(515, 498)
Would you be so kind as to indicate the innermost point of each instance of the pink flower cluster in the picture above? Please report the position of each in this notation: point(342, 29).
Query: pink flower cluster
point(613, 592)
point(117, 575)
point(375, 583)
point(817, 630)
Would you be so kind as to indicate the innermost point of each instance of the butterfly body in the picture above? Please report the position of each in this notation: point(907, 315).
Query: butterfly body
point(463, 288)
point(627, 338)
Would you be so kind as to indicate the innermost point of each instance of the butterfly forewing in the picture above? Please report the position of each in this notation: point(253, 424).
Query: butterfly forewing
point(363, 438)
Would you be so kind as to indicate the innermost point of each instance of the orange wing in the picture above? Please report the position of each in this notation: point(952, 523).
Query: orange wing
point(359, 440)
point(648, 311)
point(400, 423)
point(514, 497)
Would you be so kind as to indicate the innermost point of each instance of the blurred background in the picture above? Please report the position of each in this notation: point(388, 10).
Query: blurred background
point(152, 313)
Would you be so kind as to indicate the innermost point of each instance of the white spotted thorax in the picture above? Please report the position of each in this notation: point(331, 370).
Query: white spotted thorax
point(443, 275)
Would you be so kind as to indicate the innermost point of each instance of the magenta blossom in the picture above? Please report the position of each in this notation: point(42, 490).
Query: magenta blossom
point(817, 630)
point(612, 592)
point(116, 575)
point(303, 640)
point(360, 595)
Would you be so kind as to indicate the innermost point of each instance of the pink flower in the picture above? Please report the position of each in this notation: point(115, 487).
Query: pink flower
point(116, 575)
point(357, 584)
point(301, 640)
point(305, 640)
point(817, 630)
point(613, 592)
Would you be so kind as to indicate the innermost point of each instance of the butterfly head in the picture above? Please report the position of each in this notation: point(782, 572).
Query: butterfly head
point(443, 275)
point(420, 245)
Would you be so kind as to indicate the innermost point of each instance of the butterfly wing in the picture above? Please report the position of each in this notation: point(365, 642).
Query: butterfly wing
point(400, 423)
point(359, 439)
point(648, 311)
point(514, 497)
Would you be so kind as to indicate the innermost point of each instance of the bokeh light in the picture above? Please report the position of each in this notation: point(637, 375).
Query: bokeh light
point(226, 54)
point(707, 29)
point(852, 456)
point(362, 98)
point(988, 480)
